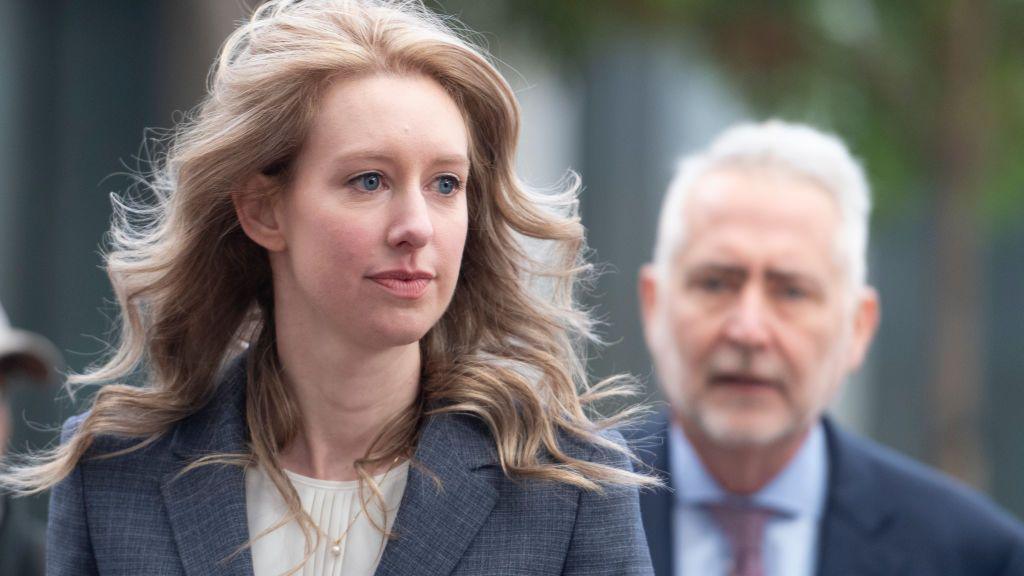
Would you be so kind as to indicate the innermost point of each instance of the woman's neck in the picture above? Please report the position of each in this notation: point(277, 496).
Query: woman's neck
point(345, 397)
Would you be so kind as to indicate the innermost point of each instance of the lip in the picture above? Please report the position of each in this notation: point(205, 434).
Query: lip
point(405, 284)
point(744, 382)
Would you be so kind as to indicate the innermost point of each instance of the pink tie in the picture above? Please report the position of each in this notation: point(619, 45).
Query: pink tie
point(743, 526)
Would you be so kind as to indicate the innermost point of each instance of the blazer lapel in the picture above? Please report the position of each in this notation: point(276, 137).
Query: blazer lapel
point(206, 506)
point(207, 511)
point(857, 516)
point(446, 501)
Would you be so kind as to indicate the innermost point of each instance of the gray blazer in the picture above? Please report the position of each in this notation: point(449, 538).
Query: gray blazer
point(133, 514)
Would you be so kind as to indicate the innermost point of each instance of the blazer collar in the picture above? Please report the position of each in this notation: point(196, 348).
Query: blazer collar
point(447, 498)
point(206, 506)
point(220, 425)
point(858, 513)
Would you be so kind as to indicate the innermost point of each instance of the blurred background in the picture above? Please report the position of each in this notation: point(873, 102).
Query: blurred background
point(928, 93)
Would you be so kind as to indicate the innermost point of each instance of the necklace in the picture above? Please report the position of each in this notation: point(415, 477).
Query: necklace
point(336, 543)
point(335, 546)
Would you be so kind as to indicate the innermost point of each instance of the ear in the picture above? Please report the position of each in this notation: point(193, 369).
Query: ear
point(866, 318)
point(647, 289)
point(258, 211)
point(5, 423)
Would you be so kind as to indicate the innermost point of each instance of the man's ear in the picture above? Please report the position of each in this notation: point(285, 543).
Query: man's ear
point(866, 317)
point(647, 289)
point(5, 420)
point(258, 211)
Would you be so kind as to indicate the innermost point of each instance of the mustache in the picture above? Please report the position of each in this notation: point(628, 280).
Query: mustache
point(734, 363)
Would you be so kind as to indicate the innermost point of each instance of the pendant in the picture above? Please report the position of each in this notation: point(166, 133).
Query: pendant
point(336, 549)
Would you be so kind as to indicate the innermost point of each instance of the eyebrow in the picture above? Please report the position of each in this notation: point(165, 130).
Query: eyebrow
point(385, 158)
point(459, 159)
point(788, 276)
point(711, 268)
point(737, 272)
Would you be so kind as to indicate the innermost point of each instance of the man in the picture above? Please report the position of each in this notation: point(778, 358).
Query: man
point(755, 309)
point(21, 535)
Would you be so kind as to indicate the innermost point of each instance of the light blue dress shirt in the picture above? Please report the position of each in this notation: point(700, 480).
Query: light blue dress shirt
point(791, 538)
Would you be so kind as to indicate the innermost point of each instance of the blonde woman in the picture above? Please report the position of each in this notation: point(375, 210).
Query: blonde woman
point(352, 365)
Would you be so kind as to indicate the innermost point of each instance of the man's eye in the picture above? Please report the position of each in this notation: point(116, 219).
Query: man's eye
point(448, 185)
point(369, 181)
point(711, 285)
point(792, 293)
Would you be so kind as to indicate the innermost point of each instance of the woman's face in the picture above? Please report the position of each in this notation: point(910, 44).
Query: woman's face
point(371, 229)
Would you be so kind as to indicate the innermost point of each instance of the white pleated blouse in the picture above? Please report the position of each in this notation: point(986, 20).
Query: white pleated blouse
point(335, 507)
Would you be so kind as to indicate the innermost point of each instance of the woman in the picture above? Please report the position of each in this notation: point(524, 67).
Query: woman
point(353, 367)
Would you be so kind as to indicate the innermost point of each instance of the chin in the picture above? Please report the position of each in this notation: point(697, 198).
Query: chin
point(743, 429)
point(399, 337)
point(402, 331)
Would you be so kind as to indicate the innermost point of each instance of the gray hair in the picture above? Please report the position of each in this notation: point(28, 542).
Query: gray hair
point(797, 148)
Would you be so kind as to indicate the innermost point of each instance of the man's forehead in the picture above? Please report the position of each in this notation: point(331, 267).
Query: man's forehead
point(761, 205)
point(769, 192)
point(747, 238)
point(770, 251)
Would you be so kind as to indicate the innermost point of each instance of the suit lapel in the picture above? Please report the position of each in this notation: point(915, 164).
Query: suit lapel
point(446, 500)
point(206, 506)
point(656, 504)
point(857, 516)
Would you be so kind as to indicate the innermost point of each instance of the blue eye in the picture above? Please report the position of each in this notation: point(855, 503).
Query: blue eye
point(448, 185)
point(368, 182)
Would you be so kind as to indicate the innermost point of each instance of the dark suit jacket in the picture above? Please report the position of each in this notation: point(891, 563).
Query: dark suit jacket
point(21, 540)
point(133, 514)
point(884, 515)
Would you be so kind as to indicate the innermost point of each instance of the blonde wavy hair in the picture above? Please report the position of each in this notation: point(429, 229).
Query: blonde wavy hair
point(194, 290)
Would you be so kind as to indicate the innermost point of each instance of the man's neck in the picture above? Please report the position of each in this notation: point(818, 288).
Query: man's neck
point(744, 469)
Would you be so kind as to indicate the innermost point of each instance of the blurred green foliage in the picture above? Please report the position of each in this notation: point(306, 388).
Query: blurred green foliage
point(876, 72)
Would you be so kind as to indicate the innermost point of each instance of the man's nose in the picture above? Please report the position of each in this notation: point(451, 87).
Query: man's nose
point(411, 226)
point(748, 323)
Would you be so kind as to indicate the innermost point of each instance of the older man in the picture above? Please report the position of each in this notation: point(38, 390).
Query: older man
point(755, 310)
point(21, 535)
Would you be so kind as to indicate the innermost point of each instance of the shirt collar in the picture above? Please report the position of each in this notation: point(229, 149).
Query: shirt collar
point(798, 490)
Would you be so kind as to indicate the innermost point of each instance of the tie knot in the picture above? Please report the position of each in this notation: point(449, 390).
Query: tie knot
point(742, 525)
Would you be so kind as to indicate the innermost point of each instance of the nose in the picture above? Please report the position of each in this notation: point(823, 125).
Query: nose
point(411, 226)
point(747, 325)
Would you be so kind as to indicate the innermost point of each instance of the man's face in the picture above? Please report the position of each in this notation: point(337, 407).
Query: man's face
point(754, 326)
